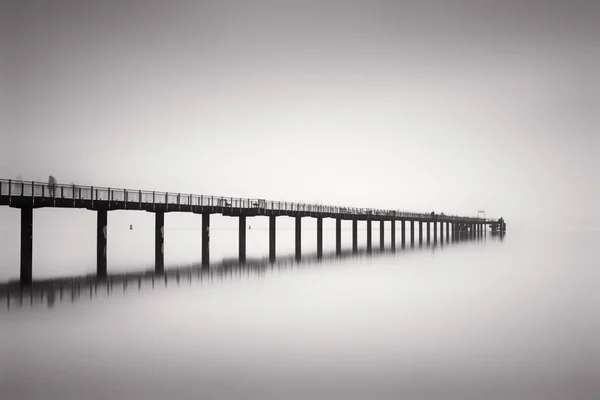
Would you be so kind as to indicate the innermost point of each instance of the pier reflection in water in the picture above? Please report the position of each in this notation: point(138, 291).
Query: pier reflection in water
point(70, 289)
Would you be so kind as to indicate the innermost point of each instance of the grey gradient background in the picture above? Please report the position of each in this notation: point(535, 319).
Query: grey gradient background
point(450, 106)
point(430, 105)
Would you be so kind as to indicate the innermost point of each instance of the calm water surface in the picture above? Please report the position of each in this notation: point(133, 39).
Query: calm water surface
point(510, 319)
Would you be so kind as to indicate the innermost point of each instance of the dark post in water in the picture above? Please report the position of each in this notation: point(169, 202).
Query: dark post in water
point(382, 234)
point(369, 235)
point(393, 238)
point(354, 235)
point(205, 239)
point(319, 237)
point(338, 236)
point(298, 237)
point(159, 242)
point(242, 238)
point(101, 232)
point(272, 237)
point(403, 233)
point(26, 245)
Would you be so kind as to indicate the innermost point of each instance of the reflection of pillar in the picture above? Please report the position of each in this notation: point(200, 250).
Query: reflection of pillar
point(205, 239)
point(101, 231)
point(159, 242)
point(338, 236)
point(272, 237)
point(26, 245)
point(242, 238)
point(381, 234)
point(354, 235)
point(420, 233)
point(298, 237)
point(393, 238)
point(368, 235)
point(412, 233)
point(319, 237)
point(403, 236)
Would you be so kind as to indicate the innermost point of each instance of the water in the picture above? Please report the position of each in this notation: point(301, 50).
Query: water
point(487, 319)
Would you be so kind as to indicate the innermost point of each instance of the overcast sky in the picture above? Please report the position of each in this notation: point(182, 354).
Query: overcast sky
point(450, 106)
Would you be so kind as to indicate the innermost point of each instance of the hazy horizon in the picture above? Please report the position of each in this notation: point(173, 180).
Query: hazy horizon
point(450, 106)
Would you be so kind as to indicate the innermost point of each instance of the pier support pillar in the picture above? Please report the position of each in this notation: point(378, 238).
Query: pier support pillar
point(369, 235)
point(159, 242)
point(298, 238)
point(272, 238)
point(26, 245)
point(434, 232)
point(242, 238)
point(447, 232)
point(382, 235)
point(101, 233)
point(354, 235)
point(403, 233)
point(393, 236)
point(428, 232)
point(412, 233)
point(420, 233)
point(205, 239)
point(442, 232)
point(338, 236)
point(319, 237)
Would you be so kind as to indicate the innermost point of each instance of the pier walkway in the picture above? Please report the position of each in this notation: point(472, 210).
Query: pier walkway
point(31, 195)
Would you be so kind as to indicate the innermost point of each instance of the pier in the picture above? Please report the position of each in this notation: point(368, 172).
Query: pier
point(28, 196)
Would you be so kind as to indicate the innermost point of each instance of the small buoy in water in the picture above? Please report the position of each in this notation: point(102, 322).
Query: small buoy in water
point(130, 227)
point(249, 227)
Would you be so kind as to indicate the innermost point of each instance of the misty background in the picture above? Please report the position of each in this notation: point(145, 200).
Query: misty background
point(447, 106)
point(450, 106)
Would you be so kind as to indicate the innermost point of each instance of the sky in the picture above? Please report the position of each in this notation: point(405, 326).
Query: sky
point(452, 106)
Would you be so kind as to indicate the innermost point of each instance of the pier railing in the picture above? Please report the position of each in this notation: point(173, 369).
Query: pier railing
point(18, 189)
